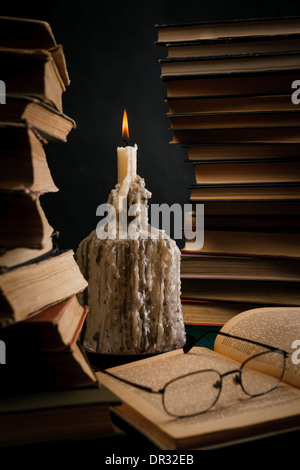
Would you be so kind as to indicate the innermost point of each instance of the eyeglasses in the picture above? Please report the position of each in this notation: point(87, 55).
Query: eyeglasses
point(197, 392)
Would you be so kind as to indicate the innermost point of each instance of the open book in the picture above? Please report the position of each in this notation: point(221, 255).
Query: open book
point(235, 416)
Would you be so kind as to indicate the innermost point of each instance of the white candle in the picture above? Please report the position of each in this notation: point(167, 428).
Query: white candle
point(126, 157)
point(126, 163)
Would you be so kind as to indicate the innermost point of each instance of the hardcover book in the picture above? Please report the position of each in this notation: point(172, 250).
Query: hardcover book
point(235, 416)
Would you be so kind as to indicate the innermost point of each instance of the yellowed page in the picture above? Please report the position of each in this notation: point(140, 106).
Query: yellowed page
point(234, 411)
point(275, 326)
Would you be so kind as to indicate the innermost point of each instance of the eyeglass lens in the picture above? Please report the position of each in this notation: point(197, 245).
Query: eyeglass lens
point(192, 394)
point(271, 363)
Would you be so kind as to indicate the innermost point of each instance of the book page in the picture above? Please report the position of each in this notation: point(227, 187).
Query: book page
point(234, 409)
point(276, 326)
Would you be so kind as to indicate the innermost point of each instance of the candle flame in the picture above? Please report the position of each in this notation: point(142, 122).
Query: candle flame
point(125, 127)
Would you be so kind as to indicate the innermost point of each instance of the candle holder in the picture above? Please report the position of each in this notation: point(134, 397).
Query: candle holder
point(133, 289)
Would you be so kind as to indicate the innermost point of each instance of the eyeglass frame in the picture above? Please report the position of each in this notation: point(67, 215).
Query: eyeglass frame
point(186, 348)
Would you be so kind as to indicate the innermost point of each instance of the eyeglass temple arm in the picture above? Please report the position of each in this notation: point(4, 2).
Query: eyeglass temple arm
point(187, 347)
point(141, 387)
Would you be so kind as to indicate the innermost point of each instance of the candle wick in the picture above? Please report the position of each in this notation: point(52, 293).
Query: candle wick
point(126, 142)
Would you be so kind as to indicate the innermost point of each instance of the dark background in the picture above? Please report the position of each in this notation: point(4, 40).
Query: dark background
point(113, 64)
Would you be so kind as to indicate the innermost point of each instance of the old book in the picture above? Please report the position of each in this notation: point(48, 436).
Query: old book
point(241, 150)
point(235, 416)
point(203, 266)
point(12, 257)
point(248, 208)
point(49, 122)
point(272, 171)
point(241, 290)
point(59, 415)
point(57, 328)
point(203, 313)
point(33, 73)
point(23, 221)
point(48, 345)
point(272, 134)
point(234, 45)
point(168, 33)
point(30, 288)
point(248, 223)
point(286, 61)
point(233, 120)
point(23, 33)
point(233, 104)
point(230, 84)
point(30, 33)
point(247, 191)
point(23, 162)
point(247, 243)
point(47, 370)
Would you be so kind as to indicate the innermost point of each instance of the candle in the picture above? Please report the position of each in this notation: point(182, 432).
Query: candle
point(126, 155)
point(126, 163)
point(133, 289)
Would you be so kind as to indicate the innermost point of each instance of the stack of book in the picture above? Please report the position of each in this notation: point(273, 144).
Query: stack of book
point(40, 315)
point(232, 94)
